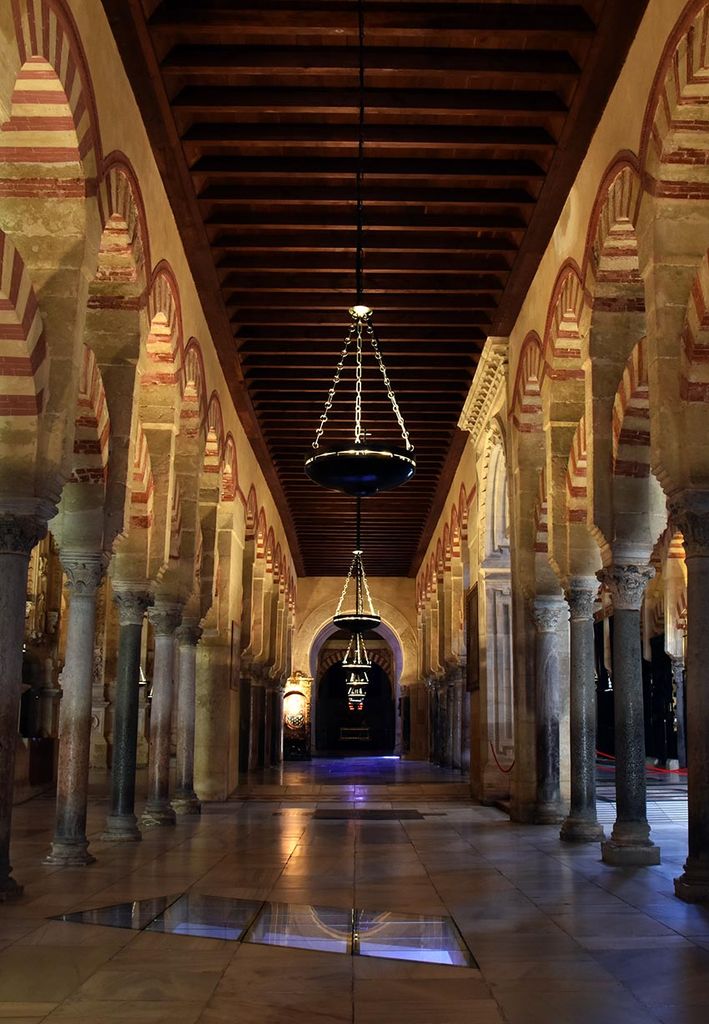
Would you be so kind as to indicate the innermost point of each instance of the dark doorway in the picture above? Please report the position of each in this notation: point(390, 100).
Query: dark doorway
point(341, 731)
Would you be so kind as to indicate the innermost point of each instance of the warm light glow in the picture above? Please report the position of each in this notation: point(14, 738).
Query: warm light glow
point(361, 312)
point(294, 709)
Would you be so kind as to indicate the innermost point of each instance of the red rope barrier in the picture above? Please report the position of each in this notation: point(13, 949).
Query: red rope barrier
point(650, 768)
point(505, 771)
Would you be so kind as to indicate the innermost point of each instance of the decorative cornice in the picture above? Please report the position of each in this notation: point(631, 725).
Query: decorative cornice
point(84, 571)
point(626, 584)
point(689, 512)
point(20, 533)
point(132, 606)
point(488, 380)
point(547, 613)
point(165, 618)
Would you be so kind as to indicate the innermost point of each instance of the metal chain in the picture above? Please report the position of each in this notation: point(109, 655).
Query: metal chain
point(366, 590)
point(390, 393)
point(348, 577)
point(358, 386)
point(335, 382)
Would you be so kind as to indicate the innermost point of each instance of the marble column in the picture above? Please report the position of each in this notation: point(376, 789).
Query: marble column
point(678, 687)
point(70, 846)
point(165, 619)
point(547, 614)
point(630, 842)
point(690, 513)
point(255, 724)
point(582, 825)
point(185, 799)
point(18, 535)
point(121, 823)
point(267, 726)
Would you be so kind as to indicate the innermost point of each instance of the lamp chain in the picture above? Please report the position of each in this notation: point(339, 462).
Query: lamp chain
point(359, 265)
point(390, 391)
point(333, 387)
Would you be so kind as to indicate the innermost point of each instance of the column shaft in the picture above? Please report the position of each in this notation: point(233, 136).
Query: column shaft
point(582, 823)
point(185, 800)
point(630, 841)
point(18, 535)
point(547, 614)
point(121, 823)
point(70, 845)
point(690, 512)
point(165, 619)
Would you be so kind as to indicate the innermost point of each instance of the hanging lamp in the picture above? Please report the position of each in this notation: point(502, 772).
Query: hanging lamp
point(356, 662)
point(360, 619)
point(361, 467)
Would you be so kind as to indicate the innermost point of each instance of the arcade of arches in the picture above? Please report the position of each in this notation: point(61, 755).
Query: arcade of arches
point(162, 651)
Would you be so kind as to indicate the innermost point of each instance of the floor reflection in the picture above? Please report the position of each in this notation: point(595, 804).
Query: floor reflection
point(387, 934)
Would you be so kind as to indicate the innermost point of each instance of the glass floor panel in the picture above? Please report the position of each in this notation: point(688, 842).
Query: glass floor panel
point(421, 937)
point(210, 917)
point(326, 929)
point(133, 914)
point(388, 934)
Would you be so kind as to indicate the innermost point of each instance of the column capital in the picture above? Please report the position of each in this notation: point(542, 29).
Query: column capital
point(84, 570)
point(689, 512)
point(132, 606)
point(188, 634)
point(19, 533)
point(547, 613)
point(165, 617)
point(580, 594)
point(627, 584)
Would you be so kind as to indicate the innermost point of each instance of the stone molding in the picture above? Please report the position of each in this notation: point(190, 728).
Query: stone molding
point(132, 606)
point(20, 533)
point(547, 613)
point(165, 618)
point(84, 571)
point(689, 512)
point(626, 584)
point(488, 381)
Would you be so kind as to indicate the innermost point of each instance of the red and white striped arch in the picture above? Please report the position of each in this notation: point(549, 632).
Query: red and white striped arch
point(92, 427)
point(24, 365)
point(53, 118)
point(631, 418)
point(164, 344)
point(142, 486)
point(527, 396)
point(577, 475)
point(694, 371)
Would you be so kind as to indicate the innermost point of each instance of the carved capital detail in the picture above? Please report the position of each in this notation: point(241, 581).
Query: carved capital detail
point(627, 584)
point(689, 512)
point(581, 597)
point(132, 606)
point(188, 634)
point(19, 533)
point(165, 618)
point(84, 571)
point(547, 614)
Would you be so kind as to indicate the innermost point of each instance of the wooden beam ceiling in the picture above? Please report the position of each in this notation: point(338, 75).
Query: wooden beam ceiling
point(477, 119)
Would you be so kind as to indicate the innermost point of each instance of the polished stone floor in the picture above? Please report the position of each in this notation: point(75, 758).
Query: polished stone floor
point(556, 934)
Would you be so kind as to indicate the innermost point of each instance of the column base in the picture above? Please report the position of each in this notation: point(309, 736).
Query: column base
point(157, 816)
point(548, 814)
point(629, 854)
point(693, 884)
point(10, 889)
point(121, 828)
point(581, 830)
point(186, 803)
point(68, 853)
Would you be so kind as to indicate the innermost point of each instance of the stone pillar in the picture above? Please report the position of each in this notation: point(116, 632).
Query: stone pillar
point(465, 728)
point(582, 825)
point(690, 513)
point(18, 535)
point(185, 800)
point(121, 823)
point(267, 726)
point(165, 618)
point(255, 725)
point(547, 614)
point(70, 845)
point(678, 687)
point(630, 841)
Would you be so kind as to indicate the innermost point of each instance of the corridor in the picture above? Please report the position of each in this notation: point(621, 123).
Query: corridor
point(556, 934)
